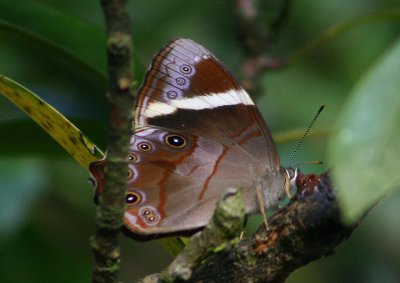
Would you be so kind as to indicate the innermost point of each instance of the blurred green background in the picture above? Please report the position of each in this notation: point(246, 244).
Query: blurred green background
point(56, 49)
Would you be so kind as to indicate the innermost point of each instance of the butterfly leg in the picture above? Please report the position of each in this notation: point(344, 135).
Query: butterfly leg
point(287, 185)
point(261, 205)
point(287, 190)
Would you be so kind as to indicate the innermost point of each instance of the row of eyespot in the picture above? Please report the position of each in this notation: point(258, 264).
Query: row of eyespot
point(172, 140)
point(133, 198)
point(185, 70)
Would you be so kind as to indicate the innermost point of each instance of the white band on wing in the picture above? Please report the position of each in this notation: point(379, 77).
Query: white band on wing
point(206, 101)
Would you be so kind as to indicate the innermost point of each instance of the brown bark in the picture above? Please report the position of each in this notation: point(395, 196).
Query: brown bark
point(112, 200)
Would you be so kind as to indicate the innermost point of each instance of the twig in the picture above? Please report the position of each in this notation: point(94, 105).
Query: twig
point(258, 30)
point(111, 202)
point(307, 229)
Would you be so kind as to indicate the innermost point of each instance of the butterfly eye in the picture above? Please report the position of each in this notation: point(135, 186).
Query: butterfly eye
point(130, 174)
point(149, 215)
point(133, 198)
point(175, 141)
point(132, 157)
point(144, 146)
point(185, 69)
point(180, 81)
point(172, 94)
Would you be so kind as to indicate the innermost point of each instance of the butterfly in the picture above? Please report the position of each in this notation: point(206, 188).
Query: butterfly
point(197, 133)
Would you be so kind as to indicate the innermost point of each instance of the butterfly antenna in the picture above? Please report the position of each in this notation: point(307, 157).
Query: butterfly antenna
point(305, 134)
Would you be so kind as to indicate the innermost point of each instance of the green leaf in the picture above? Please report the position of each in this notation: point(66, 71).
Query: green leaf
point(52, 121)
point(366, 149)
point(61, 36)
point(58, 29)
point(19, 194)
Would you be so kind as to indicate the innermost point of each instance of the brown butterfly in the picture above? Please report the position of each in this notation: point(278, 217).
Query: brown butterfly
point(197, 132)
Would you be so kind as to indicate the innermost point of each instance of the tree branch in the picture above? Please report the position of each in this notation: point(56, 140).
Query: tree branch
point(112, 200)
point(308, 228)
point(259, 27)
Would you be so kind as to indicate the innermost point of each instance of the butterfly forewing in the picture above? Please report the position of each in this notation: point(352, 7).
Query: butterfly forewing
point(188, 89)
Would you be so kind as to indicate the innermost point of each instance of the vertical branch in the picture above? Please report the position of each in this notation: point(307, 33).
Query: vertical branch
point(259, 27)
point(111, 202)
